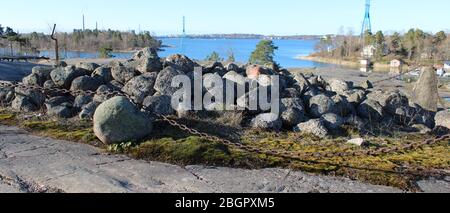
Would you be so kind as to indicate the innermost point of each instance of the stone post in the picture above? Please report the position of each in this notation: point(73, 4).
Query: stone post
point(425, 92)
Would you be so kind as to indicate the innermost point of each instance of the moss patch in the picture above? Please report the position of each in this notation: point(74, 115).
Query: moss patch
point(77, 131)
point(64, 131)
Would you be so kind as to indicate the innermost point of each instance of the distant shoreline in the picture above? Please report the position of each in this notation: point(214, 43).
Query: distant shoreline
point(244, 36)
point(347, 63)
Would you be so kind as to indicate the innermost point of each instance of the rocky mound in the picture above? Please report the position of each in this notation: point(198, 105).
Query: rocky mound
point(307, 103)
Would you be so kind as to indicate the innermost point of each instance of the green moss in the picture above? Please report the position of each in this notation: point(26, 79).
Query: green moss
point(186, 151)
point(7, 117)
point(63, 131)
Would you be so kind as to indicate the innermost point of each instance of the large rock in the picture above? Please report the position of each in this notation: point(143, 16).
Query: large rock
point(265, 80)
point(355, 96)
point(235, 77)
point(24, 104)
point(366, 85)
point(332, 121)
point(314, 127)
point(290, 93)
point(356, 122)
point(63, 77)
point(141, 86)
point(33, 80)
point(49, 84)
point(147, 60)
point(320, 105)
point(318, 81)
point(342, 106)
point(64, 110)
point(102, 94)
point(35, 97)
point(87, 66)
point(267, 121)
point(425, 92)
point(253, 71)
point(123, 74)
point(301, 83)
point(43, 72)
point(233, 67)
point(211, 67)
point(338, 86)
point(85, 83)
point(115, 85)
point(87, 112)
point(160, 104)
point(82, 100)
point(209, 80)
point(164, 81)
point(442, 119)
point(103, 74)
point(180, 62)
point(371, 110)
point(6, 95)
point(394, 103)
point(118, 120)
point(56, 101)
point(61, 64)
point(292, 112)
point(251, 100)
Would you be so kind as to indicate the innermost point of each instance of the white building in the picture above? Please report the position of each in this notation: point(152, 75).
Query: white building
point(447, 65)
point(368, 51)
point(396, 63)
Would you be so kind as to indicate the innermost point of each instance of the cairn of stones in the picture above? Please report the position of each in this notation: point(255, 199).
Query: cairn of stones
point(308, 104)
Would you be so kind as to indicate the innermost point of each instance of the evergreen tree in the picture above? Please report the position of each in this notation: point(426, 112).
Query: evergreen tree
point(379, 45)
point(368, 38)
point(214, 56)
point(264, 53)
point(395, 44)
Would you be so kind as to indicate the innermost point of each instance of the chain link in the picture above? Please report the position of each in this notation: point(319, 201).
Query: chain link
point(300, 156)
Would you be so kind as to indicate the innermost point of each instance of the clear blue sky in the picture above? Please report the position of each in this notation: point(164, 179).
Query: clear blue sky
point(280, 17)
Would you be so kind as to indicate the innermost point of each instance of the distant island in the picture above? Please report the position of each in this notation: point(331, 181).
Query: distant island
point(244, 36)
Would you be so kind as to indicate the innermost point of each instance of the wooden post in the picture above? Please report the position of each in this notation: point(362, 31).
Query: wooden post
point(56, 46)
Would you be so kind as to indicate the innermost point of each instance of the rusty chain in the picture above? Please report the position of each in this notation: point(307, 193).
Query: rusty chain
point(390, 78)
point(398, 75)
point(300, 156)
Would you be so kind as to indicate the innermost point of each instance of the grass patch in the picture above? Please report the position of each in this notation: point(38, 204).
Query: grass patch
point(64, 131)
point(76, 131)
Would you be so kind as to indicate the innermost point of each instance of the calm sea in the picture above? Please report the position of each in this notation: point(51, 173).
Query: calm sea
point(199, 49)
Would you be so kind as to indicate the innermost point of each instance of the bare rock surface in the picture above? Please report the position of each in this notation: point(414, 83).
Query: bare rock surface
point(35, 164)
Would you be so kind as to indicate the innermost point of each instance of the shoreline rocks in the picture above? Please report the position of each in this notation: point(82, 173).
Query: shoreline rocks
point(308, 103)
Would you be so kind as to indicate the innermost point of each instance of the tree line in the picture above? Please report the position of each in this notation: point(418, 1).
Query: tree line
point(80, 40)
point(11, 40)
point(413, 46)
